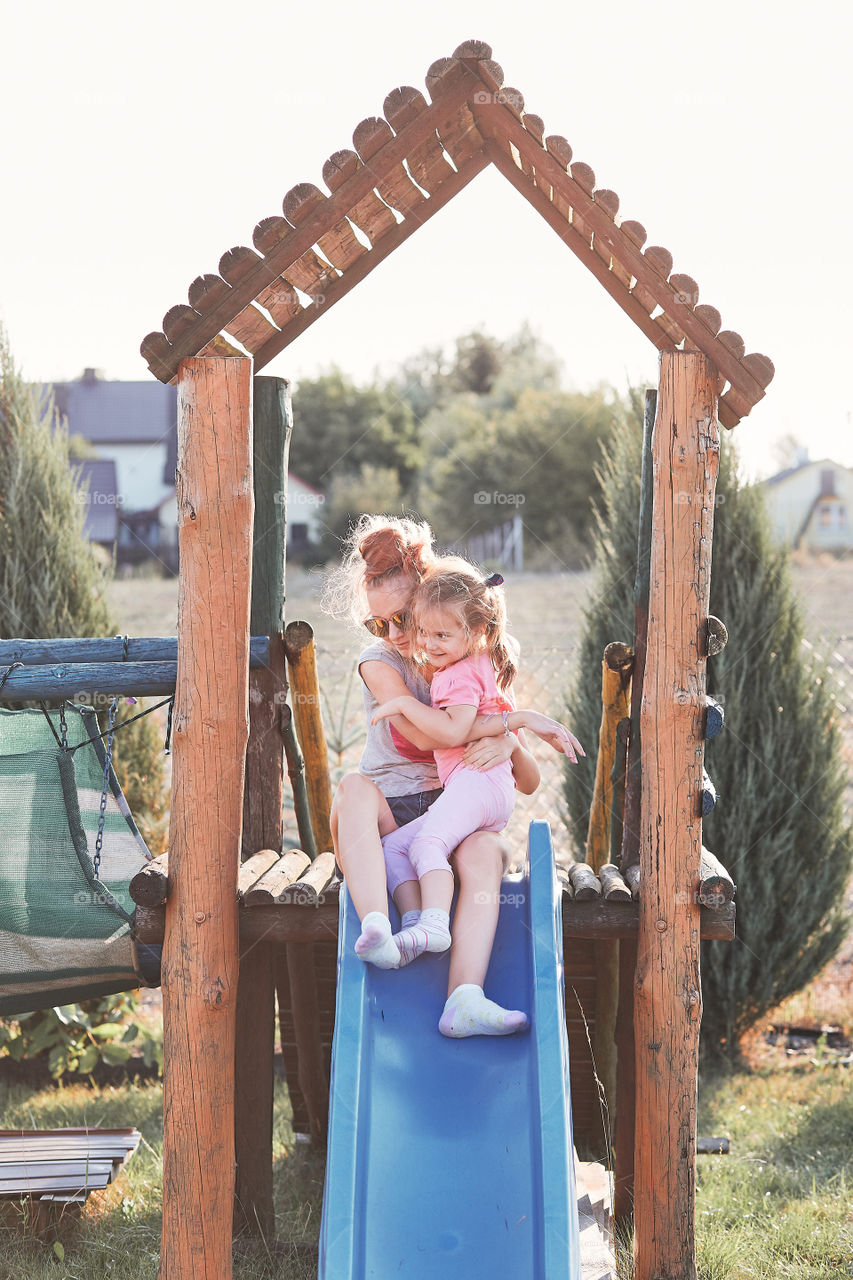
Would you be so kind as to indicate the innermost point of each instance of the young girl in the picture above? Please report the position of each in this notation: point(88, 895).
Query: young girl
point(459, 629)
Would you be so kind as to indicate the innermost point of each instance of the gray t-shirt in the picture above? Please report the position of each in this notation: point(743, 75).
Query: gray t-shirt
point(381, 761)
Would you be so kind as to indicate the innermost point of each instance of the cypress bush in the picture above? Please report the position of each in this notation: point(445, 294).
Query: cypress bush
point(779, 824)
point(52, 581)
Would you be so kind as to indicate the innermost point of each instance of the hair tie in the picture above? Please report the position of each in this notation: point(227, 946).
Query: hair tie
point(494, 580)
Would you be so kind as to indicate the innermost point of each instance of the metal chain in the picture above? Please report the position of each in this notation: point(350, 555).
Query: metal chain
point(63, 727)
point(108, 760)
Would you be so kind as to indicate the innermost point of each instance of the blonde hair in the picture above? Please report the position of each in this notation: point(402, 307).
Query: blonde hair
point(379, 550)
point(453, 583)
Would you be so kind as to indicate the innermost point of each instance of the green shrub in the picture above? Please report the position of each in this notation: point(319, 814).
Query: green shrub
point(778, 826)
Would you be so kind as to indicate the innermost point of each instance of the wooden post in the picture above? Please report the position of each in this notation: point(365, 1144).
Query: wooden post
point(616, 667)
point(668, 1001)
point(209, 734)
point(302, 661)
point(631, 816)
point(263, 825)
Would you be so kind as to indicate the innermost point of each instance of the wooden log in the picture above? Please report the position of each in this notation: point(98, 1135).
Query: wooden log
point(338, 244)
point(714, 718)
point(633, 776)
point(313, 1081)
point(85, 680)
point(617, 780)
point(126, 649)
point(393, 184)
point(623, 1146)
point(613, 886)
point(715, 636)
point(263, 826)
point(370, 214)
point(313, 883)
point(296, 774)
point(272, 887)
point(616, 667)
point(584, 881)
point(253, 868)
point(150, 886)
point(668, 998)
point(209, 734)
point(716, 886)
point(632, 879)
point(305, 685)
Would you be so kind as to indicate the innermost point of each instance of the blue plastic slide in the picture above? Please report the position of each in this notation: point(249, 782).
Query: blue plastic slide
point(453, 1158)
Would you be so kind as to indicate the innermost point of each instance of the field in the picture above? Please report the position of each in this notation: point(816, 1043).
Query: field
point(777, 1208)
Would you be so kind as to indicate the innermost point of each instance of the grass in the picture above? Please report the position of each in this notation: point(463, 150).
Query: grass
point(118, 1237)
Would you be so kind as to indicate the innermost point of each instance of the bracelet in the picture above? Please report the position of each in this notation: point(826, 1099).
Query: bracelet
point(505, 718)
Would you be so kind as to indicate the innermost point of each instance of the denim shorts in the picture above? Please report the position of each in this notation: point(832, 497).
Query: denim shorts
point(407, 808)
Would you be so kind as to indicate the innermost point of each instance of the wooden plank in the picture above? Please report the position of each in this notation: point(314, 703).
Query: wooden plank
point(311, 1070)
point(209, 735)
point(338, 244)
point(668, 1002)
point(370, 214)
point(623, 1147)
point(366, 263)
point(290, 250)
point(393, 183)
point(262, 812)
point(426, 161)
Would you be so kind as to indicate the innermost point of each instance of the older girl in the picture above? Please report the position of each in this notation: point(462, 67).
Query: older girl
point(385, 561)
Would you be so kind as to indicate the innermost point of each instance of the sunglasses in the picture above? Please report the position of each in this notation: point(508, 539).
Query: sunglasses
point(381, 627)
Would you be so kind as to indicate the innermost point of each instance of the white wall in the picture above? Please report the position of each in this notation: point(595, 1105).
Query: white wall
point(139, 473)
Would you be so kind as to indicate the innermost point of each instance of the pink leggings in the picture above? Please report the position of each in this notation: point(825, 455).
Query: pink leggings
point(470, 802)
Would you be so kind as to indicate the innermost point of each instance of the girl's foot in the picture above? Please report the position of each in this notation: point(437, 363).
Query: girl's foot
point(468, 1013)
point(375, 944)
point(430, 933)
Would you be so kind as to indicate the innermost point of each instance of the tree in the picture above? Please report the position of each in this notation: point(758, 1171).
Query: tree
point(778, 826)
point(52, 582)
point(537, 457)
point(338, 426)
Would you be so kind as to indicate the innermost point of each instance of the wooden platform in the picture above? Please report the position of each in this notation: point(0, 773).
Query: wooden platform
point(595, 1202)
point(53, 1171)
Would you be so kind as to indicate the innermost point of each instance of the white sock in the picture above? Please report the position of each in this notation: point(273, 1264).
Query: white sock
point(431, 933)
point(468, 1013)
point(409, 918)
point(375, 945)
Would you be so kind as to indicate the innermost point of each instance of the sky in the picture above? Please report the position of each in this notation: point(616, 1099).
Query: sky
point(141, 142)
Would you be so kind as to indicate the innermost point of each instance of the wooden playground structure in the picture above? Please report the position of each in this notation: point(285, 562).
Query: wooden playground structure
point(224, 954)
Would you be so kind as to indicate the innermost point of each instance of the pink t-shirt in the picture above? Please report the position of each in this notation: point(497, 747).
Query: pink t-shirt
point(468, 683)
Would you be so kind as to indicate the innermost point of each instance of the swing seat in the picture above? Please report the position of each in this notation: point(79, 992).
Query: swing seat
point(65, 934)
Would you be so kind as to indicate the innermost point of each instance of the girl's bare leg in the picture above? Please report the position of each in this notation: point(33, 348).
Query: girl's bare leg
point(360, 814)
point(479, 862)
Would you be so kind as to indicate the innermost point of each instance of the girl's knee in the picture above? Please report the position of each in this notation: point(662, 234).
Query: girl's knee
point(483, 854)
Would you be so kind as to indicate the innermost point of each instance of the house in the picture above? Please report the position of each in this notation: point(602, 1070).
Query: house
point(811, 505)
point(131, 423)
point(97, 491)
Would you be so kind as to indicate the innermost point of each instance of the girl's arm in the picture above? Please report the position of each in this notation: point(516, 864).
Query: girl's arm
point(445, 728)
point(545, 727)
point(385, 683)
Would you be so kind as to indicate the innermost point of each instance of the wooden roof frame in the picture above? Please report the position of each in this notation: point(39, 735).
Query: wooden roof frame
point(405, 167)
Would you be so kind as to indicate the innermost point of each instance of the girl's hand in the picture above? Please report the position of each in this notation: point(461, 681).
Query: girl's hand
point(484, 753)
point(554, 733)
point(386, 710)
